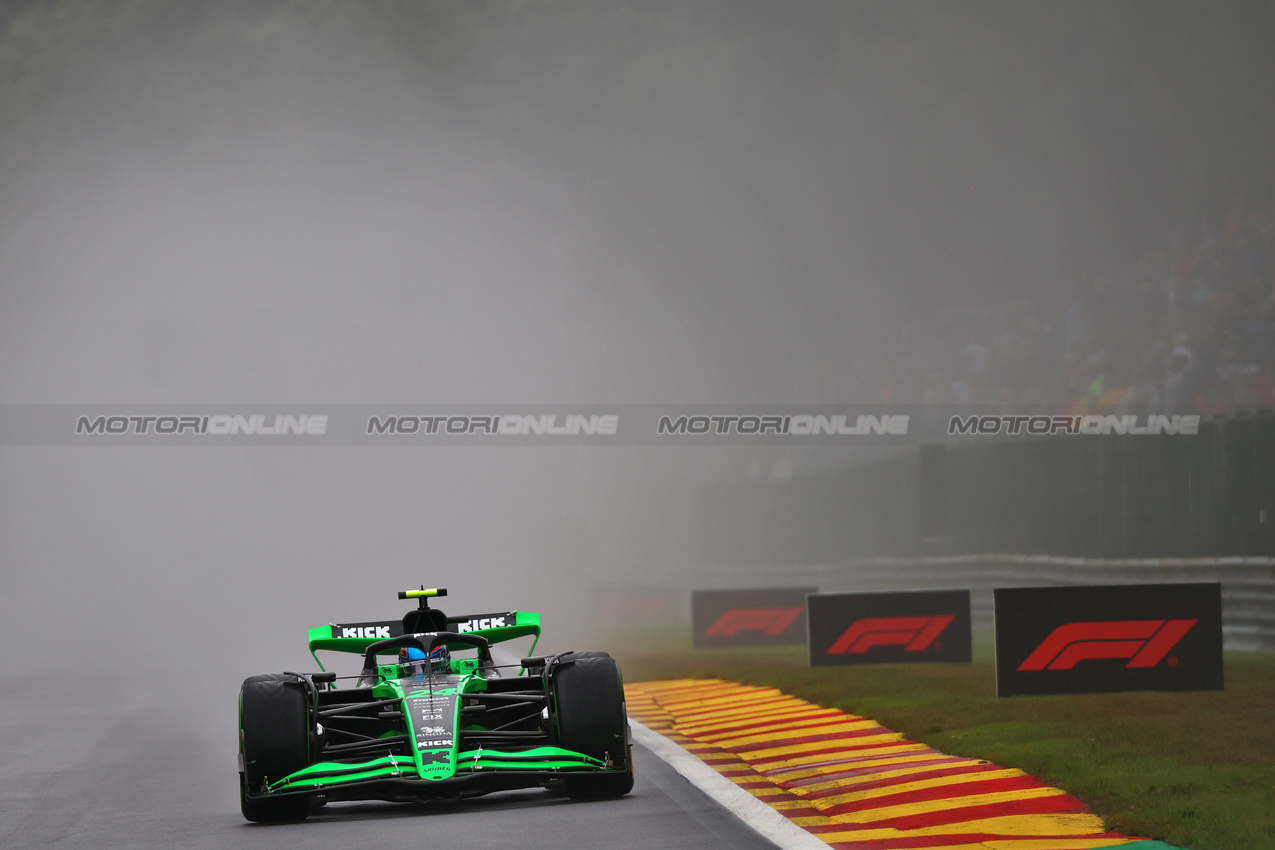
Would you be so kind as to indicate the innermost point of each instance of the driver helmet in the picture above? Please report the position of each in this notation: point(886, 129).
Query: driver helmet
point(414, 662)
point(411, 662)
point(440, 660)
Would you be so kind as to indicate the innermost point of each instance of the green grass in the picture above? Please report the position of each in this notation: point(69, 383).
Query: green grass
point(1194, 769)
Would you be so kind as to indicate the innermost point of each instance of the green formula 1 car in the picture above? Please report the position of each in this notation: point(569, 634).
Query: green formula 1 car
point(442, 720)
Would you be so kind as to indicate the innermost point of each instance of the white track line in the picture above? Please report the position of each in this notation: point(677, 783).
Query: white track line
point(762, 818)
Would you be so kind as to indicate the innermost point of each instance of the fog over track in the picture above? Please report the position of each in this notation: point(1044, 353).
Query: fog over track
point(718, 201)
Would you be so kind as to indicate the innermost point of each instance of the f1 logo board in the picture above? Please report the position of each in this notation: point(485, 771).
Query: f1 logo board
point(756, 617)
point(1103, 639)
point(888, 628)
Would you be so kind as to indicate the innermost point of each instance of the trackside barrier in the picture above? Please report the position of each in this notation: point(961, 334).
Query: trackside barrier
point(1248, 583)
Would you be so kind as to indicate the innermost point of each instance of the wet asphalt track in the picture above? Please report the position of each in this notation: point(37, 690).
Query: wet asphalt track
point(86, 765)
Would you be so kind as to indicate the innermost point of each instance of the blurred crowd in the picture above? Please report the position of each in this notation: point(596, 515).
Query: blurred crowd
point(1188, 328)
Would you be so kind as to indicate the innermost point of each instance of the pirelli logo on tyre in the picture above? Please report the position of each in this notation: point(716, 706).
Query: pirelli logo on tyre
point(773, 616)
point(1102, 639)
point(889, 628)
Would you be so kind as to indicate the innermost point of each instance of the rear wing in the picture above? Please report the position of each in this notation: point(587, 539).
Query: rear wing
point(357, 637)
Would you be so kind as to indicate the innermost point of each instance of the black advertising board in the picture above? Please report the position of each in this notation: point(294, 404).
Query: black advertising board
point(888, 628)
point(774, 616)
point(1101, 639)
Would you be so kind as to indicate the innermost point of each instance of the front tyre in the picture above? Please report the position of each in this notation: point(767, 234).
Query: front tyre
point(591, 719)
point(274, 732)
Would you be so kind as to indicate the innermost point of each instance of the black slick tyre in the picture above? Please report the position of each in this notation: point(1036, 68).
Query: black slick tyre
point(589, 707)
point(274, 729)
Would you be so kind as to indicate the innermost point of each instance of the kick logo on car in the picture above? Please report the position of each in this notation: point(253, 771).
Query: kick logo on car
point(486, 621)
point(377, 631)
point(433, 718)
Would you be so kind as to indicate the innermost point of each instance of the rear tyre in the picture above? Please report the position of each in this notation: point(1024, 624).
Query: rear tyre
point(589, 698)
point(274, 729)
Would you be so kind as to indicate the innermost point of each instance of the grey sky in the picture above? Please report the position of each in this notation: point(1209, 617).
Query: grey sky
point(602, 204)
